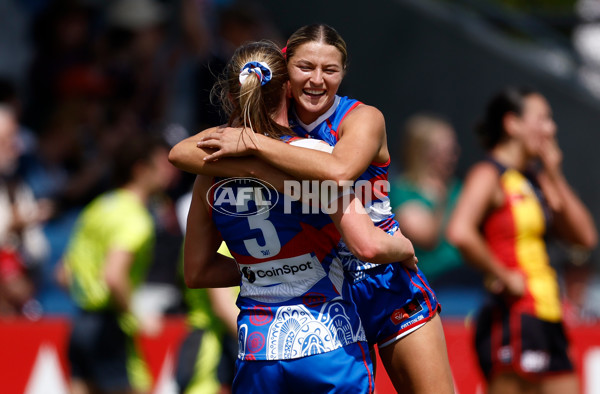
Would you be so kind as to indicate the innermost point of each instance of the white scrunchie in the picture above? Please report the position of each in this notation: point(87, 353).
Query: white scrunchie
point(260, 69)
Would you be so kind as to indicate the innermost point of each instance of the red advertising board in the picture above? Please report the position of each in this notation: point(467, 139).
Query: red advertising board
point(33, 357)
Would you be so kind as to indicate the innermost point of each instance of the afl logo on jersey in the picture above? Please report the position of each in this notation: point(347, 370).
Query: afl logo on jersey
point(242, 197)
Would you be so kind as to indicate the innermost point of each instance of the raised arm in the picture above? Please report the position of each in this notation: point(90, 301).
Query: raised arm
point(188, 157)
point(572, 220)
point(202, 265)
point(481, 192)
point(362, 140)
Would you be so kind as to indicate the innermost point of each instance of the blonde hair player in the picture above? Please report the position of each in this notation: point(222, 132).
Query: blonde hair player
point(298, 329)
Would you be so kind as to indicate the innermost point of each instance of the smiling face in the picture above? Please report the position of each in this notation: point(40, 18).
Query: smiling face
point(316, 72)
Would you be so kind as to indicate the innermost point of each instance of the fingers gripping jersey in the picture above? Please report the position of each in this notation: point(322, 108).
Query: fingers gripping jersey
point(371, 187)
point(294, 301)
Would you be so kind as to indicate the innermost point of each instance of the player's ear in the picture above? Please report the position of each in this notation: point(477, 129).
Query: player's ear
point(511, 122)
point(288, 90)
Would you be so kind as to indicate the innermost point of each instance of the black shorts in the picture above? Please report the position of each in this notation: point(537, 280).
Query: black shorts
point(511, 341)
point(206, 359)
point(98, 351)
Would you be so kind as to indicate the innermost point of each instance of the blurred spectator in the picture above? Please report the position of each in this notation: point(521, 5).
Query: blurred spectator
point(195, 35)
point(133, 54)
point(238, 23)
point(23, 245)
point(102, 73)
point(64, 42)
point(107, 259)
point(67, 105)
point(15, 22)
point(72, 164)
point(9, 96)
point(425, 194)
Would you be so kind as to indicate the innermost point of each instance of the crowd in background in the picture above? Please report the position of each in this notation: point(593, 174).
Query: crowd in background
point(102, 73)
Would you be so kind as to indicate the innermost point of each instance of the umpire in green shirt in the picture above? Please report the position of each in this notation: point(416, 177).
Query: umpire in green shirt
point(107, 257)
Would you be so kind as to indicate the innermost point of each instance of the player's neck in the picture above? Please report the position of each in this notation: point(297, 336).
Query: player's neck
point(281, 115)
point(511, 155)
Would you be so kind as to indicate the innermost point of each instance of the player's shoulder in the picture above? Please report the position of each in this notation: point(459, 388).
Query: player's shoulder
point(483, 175)
point(365, 112)
point(484, 169)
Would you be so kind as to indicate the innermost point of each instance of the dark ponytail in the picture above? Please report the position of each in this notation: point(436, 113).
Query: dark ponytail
point(490, 129)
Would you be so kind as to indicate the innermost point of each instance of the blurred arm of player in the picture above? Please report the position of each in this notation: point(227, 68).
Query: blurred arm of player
point(481, 193)
point(362, 139)
point(116, 275)
point(363, 238)
point(572, 220)
point(368, 242)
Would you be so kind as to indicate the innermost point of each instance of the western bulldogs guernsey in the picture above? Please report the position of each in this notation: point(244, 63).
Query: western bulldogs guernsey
point(294, 301)
point(404, 299)
point(371, 187)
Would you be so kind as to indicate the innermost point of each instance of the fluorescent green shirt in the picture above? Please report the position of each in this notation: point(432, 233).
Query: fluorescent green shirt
point(201, 315)
point(114, 220)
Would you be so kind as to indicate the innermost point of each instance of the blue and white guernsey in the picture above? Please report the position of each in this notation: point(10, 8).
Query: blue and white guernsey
point(371, 187)
point(294, 301)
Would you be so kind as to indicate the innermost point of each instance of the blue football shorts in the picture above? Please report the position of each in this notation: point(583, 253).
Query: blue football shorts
point(392, 302)
point(344, 370)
